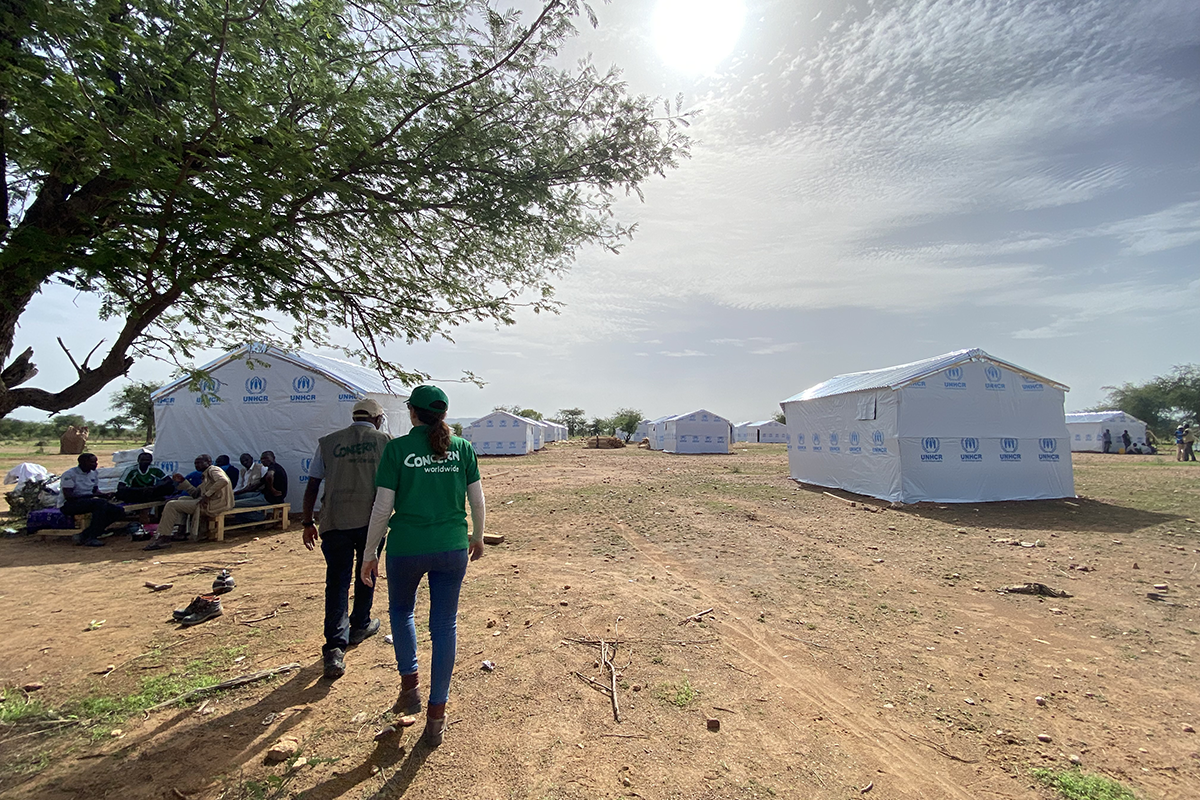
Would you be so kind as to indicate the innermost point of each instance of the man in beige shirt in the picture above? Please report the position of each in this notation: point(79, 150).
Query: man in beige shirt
point(212, 496)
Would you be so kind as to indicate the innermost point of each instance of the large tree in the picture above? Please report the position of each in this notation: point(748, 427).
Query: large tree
point(134, 407)
point(1162, 402)
point(222, 171)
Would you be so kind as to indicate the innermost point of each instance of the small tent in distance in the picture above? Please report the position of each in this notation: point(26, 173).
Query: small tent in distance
point(1087, 430)
point(258, 397)
point(767, 430)
point(501, 434)
point(699, 431)
point(956, 428)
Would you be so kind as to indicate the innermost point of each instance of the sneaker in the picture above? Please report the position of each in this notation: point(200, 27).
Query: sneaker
point(335, 663)
point(207, 607)
point(408, 703)
point(194, 606)
point(357, 635)
point(224, 583)
point(434, 730)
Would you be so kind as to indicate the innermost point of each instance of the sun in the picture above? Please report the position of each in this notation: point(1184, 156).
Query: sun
point(694, 36)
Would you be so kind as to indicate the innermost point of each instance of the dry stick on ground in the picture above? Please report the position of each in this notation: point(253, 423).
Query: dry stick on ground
point(612, 672)
point(843, 499)
point(595, 684)
point(802, 641)
point(695, 617)
point(744, 672)
point(272, 615)
point(626, 735)
point(675, 642)
point(241, 680)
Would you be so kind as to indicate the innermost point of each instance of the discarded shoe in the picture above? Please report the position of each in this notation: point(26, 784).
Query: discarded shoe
point(357, 635)
point(207, 606)
point(335, 663)
point(180, 613)
point(224, 583)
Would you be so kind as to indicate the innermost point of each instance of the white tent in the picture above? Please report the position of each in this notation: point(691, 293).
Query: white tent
point(1087, 430)
point(643, 431)
point(740, 431)
point(657, 432)
point(540, 430)
point(766, 431)
point(699, 431)
point(258, 398)
point(500, 434)
point(962, 427)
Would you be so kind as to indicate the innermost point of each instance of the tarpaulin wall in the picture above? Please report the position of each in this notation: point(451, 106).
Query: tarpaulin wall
point(500, 434)
point(697, 432)
point(282, 407)
point(1088, 437)
point(975, 432)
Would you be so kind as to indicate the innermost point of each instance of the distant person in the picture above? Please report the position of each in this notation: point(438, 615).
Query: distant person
point(1179, 443)
point(1107, 439)
point(274, 479)
point(424, 482)
point(1126, 441)
point(1151, 441)
point(1189, 444)
point(230, 470)
point(345, 461)
point(79, 493)
point(144, 483)
point(212, 496)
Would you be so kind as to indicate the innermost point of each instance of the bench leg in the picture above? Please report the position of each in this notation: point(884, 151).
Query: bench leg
point(284, 518)
point(221, 528)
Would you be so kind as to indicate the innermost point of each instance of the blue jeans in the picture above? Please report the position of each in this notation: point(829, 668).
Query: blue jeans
point(343, 551)
point(446, 572)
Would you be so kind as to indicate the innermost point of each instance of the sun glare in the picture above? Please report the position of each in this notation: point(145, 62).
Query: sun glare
point(694, 36)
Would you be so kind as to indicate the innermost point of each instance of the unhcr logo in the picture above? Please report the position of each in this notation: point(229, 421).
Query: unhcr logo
point(800, 442)
point(877, 440)
point(816, 442)
point(305, 464)
point(931, 445)
point(169, 467)
point(1048, 448)
point(954, 379)
point(347, 397)
point(207, 392)
point(165, 401)
point(833, 443)
point(1008, 450)
point(993, 383)
point(854, 442)
point(256, 388)
point(302, 388)
point(1029, 386)
point(970, 450)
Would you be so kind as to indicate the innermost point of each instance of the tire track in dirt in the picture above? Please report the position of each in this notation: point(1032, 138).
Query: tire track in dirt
point(841, 707)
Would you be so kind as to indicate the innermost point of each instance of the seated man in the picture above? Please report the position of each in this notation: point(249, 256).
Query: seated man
point(80, 494)
point(144, 483)
point(248, 491)
point(230, 470)
point(275, 479)
point(212, 496)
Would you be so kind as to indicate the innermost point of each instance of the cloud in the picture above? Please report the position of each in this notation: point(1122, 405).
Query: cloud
point(683, 354)
point(771, 350)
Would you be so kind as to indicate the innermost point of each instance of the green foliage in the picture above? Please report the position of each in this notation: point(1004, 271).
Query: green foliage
point(601, 426)
point(780, 417)
point(217, 171)
point(575, 419)
point(134, 407)
point(457, 428)
point(529, 413)
point(1073, 784)
point(626, 420)
point(681, 695)
point(1162, 402)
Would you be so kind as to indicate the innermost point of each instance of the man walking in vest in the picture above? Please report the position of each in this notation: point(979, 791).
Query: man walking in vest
point(345, 461)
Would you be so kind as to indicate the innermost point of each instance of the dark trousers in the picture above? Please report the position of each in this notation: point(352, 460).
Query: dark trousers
point(103, 514)
point(343, 551)
point(144, 494)
point(1189, 451)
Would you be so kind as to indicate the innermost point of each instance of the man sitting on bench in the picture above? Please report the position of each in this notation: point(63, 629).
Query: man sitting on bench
point(80, 494)
point(212, 496)
point(144, 483)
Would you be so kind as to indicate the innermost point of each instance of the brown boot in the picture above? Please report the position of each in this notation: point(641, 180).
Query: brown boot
point(435, 725)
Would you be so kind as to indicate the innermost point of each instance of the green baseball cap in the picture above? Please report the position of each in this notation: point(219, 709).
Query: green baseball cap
point(429, 398)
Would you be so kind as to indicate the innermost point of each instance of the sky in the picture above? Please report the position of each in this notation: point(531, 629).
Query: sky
point(870, 183)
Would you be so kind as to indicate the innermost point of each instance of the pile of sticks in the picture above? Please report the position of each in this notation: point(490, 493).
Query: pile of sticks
point(606, 664)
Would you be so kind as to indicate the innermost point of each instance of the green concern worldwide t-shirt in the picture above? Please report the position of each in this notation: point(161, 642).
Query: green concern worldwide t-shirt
point(430, 513)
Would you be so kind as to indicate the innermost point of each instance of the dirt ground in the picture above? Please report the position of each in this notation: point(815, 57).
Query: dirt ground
point(847, 647)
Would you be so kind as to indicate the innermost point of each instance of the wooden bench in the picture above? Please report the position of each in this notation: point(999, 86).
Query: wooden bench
point(82, 520)
point(277, 513)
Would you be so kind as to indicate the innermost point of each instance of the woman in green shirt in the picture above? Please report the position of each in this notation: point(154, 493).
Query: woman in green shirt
point(422, 487)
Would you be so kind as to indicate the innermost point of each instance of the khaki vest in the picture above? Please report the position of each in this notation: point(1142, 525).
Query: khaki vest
point(351, 456)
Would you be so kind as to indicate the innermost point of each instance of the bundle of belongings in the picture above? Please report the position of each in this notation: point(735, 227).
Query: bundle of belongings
point(31, 492)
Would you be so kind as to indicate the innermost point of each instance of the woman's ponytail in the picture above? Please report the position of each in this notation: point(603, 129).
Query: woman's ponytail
point(439, 431)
